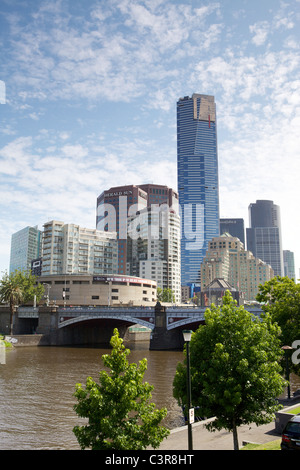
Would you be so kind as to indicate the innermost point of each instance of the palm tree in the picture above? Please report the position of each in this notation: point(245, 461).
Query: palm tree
point(12, 293)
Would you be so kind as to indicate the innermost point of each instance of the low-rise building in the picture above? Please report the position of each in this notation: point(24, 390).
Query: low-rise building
point(98, 290)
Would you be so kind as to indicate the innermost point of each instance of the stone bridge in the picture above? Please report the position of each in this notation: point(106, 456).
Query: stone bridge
point(86, 325)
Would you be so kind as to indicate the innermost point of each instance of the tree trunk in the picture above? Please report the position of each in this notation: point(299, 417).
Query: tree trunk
point(235, 437)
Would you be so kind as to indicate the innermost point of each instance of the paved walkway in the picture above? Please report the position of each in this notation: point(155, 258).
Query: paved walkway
point(223, 440)
point(219, 440)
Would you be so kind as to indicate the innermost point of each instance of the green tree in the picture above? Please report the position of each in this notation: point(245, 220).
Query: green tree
point(235, 373)
point(165, 295)
point(280, 298)
point(120, 414)
point(18, 287)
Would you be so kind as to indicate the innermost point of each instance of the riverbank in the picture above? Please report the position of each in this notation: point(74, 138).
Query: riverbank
point(4, 342)
point(26, 340)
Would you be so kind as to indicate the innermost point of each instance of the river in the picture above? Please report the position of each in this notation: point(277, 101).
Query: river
point(37, 386)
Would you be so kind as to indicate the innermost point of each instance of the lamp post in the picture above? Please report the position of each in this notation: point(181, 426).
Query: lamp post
point(48, 287)
point(187, 334)
point(287, 370)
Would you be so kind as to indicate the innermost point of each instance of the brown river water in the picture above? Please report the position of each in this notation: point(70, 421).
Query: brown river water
point(37, 386)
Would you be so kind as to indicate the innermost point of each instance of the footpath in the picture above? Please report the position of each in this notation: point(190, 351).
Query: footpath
point(218, 440)
point(222, 440)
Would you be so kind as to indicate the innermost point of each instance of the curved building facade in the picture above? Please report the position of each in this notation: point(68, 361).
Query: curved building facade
point(98, 290)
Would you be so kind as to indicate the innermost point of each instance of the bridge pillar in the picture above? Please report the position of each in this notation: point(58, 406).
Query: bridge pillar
point(161, 338)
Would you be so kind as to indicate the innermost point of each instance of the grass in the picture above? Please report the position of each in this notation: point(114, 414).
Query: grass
point(6, 343)
point(294, 411)
point(272, 445)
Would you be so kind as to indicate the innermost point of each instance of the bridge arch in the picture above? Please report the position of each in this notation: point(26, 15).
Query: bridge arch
point(122, 318)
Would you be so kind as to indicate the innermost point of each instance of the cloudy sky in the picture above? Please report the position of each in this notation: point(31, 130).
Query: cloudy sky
point(88, 98)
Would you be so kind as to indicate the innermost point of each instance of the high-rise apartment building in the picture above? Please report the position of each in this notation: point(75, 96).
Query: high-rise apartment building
point(264, 234)
point(146, 220)
point(116, 205)
point(198, 185)
point(113, 207)
point(227, 259)
point(289, 264)
point(26, 245)
point(153, 247)
point(233, 226)
point(71, 249)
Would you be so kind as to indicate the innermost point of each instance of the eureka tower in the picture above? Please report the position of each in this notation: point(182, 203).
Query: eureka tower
point(198, 186)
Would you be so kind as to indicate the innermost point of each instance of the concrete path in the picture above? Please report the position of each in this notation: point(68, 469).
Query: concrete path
point(222, 440)
point(219, 440)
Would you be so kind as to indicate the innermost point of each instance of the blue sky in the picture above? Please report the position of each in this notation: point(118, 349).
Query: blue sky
point(88, 101)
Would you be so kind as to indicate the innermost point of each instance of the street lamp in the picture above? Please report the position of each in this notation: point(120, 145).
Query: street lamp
point(287, 371)
point(187, 334)
point(47, 298)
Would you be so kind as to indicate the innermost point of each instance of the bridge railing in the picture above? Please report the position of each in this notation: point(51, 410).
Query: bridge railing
point(28, 312)
point(106, 309)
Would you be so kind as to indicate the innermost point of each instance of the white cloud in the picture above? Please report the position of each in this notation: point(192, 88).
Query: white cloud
point(91, 101)
point(260, 31)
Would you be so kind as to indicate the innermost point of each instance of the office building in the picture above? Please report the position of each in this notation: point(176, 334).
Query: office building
point(227, 259)
point(289, 264)
point(147, 223)
point(70, 249)
point(264, 234)
point(233, 226)
point(26, 245)
point(198, 186)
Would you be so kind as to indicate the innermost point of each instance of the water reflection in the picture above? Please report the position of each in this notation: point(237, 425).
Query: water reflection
point(37, 386)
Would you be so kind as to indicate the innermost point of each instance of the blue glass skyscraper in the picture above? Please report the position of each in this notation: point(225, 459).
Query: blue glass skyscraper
point(198, 185)
point(264, 234)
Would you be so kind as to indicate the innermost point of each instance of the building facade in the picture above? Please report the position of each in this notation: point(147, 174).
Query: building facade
point(227, 259)
point(26, 245)
point(101, 290)
point(147, 223)
point(69, 249)
point(264, 234)
point(113, 207)
point(153, 247)
point(235, 227)
point(289, 264)
point(198, 185)
point(117, 205)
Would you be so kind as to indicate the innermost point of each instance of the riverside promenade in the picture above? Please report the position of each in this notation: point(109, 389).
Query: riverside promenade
point(218, 440)
point(223, 440)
